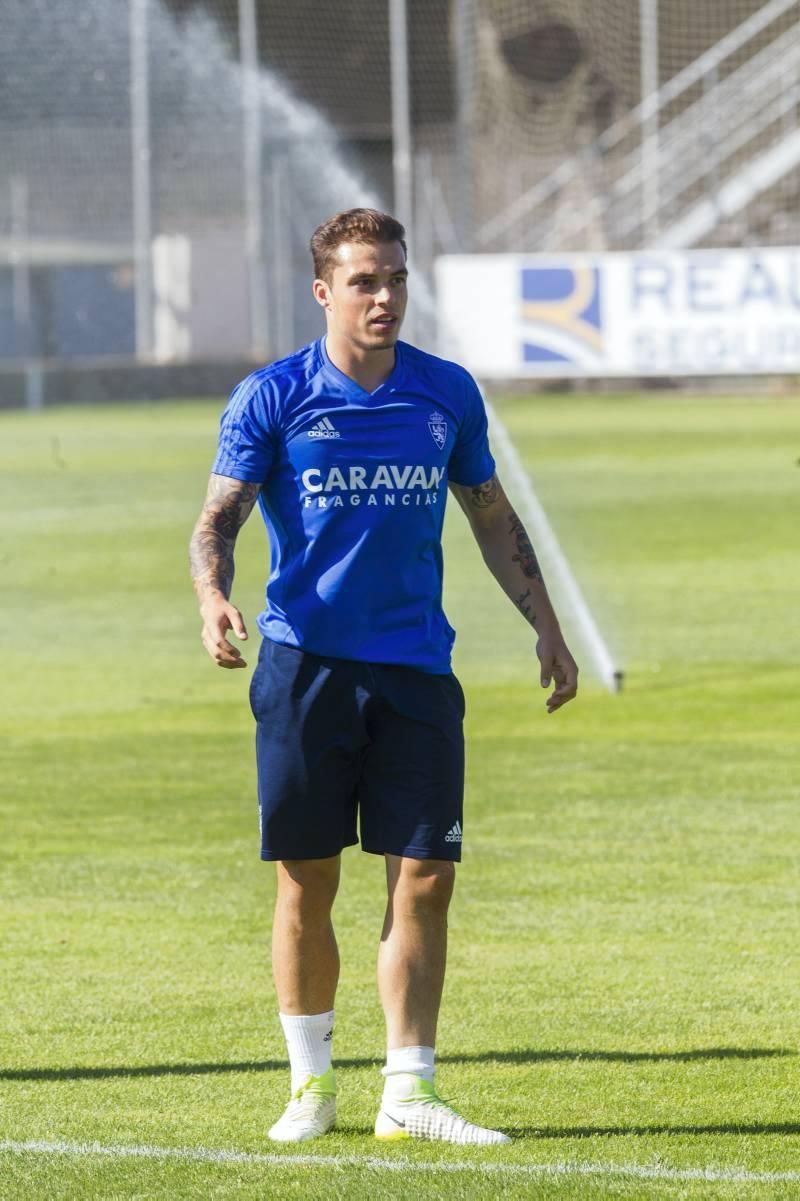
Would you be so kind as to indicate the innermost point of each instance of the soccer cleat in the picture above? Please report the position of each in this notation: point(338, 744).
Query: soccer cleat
point(424, 1115)
point(310, 1113)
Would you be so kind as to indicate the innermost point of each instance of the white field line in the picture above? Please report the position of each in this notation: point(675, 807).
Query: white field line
point(547, 543)
point(657, 1171)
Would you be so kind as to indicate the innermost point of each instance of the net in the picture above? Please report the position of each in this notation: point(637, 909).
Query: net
point(164, 161)
point(710, 158)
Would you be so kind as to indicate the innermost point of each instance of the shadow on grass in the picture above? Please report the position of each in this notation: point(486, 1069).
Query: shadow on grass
point(543, 1133)
point(558, 1132)
point(79, 1072)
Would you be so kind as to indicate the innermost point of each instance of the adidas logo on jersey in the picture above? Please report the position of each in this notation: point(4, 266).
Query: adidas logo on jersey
point(324, 429)
point(454, 835)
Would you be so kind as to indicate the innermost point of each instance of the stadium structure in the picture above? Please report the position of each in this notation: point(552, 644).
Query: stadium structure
point(165, 160)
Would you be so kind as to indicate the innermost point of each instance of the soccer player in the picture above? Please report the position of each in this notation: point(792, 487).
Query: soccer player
point(349, 447)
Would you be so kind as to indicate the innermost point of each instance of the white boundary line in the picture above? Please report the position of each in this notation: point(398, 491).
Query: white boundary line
point(373, 1163)
point(551, 552)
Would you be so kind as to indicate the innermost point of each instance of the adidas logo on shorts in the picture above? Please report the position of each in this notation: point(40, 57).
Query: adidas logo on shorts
point(454, 835)
point(324, 429)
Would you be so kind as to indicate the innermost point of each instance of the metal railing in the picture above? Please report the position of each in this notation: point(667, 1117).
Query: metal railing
point(689, 151)
point(701, 146)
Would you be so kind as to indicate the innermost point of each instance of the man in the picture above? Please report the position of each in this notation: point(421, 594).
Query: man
point(349, 446)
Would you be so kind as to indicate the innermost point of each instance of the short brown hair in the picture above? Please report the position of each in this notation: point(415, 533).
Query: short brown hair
point(353, 225)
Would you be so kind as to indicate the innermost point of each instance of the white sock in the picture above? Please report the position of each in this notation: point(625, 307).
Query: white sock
point(403, 1065)
point(309, 1040)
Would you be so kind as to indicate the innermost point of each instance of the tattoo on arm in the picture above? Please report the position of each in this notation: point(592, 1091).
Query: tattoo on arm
point(485, 494)
point(525, 605)
point(227, 507)
point(525, 556)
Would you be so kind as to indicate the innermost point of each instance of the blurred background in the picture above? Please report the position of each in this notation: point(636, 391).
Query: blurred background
point(164, 162)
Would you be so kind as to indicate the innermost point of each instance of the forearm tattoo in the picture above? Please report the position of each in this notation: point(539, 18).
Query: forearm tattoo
point(227, 507)
point(524, 603)
point(525, 556)
point(485, 494)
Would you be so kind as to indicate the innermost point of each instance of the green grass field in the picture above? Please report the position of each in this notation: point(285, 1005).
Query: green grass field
point(624, 973)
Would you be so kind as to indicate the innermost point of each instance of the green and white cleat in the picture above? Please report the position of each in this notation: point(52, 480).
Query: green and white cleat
point(310, 1113)
point(424, 1115)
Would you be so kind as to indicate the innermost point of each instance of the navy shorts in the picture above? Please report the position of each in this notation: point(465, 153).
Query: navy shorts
point(340, 742)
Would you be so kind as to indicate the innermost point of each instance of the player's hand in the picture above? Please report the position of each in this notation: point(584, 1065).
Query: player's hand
point(559, 666)
point(219, 616)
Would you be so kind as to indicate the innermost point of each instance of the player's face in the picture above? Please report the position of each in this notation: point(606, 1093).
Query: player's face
point(366, 299)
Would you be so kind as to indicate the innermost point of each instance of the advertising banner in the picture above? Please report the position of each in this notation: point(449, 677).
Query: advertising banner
point(702, 312)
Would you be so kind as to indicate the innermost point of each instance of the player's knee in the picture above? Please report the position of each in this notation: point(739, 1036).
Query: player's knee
point(428, 883)
point(308, 884)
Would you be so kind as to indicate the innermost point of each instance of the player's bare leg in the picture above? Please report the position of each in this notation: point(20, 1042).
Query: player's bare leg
point(411, 966)
point(413, 950)
point(305, 957)
point(305, 965)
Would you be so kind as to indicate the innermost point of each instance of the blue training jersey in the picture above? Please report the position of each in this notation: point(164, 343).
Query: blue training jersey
point(353, 492)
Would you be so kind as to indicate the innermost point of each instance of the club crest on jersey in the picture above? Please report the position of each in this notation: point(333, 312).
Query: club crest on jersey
point(438, 427)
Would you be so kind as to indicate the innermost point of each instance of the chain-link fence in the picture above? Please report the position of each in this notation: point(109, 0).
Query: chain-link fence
point(164, 161)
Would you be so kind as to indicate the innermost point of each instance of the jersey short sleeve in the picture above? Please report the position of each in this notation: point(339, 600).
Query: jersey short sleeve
point(246, 445)
point(471, 462)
